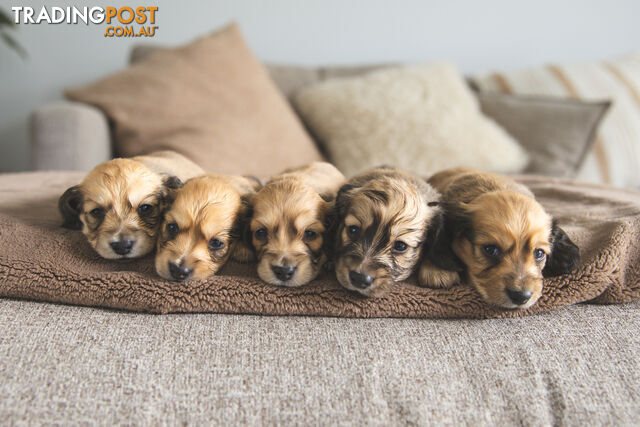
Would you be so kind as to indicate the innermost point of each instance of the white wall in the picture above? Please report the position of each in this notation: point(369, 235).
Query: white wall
point(477, 35)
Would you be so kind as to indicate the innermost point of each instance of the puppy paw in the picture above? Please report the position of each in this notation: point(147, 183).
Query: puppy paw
point(433, 277)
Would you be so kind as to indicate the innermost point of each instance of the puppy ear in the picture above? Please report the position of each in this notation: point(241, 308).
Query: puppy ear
point(243, 249)
point(343, 199)
point(170, 185)
point(331, 223)
point(243, 224)
point(440, 235)
point(70, 206)
point(564, 254)
point(172, 182)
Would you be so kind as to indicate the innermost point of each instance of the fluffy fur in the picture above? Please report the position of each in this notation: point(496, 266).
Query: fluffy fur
point(120, 203)
point(290, 217)
point(497, 238)
point(384, 219)
point(202, 228)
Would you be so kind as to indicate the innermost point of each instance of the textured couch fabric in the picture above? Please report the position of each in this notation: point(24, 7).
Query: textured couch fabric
point(575, 366)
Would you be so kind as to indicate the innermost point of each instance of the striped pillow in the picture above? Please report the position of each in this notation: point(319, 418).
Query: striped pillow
point(615, 156)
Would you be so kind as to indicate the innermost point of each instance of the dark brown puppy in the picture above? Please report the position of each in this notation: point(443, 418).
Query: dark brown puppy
point(384, 216)
point(202, 229)
point(120, 203)
point(289, 220)
point(497, 238)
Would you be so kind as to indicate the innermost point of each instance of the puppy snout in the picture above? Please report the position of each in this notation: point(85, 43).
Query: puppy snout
point(179, 272)
point(359, 280)
point(519, 297)
point(122, 246)
point(284, 272)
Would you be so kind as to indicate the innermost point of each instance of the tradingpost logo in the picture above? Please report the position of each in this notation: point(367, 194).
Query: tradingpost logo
point(121, 21)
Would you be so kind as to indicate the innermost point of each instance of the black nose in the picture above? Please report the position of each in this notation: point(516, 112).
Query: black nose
point(360, 280)
point(122, 247)
point(178, 272)
point(518, 297)
point(284, 272)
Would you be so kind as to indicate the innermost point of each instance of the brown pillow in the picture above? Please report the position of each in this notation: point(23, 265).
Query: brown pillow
point(211, 100)
point(557, 132)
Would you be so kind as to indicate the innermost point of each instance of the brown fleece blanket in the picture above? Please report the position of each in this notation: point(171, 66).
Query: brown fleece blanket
point(39, 260)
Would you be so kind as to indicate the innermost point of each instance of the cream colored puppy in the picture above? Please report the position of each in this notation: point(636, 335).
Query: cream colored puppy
point(202, 228)
point(120, 203)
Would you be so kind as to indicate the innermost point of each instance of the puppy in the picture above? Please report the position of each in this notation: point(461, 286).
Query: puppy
point(202, 228)
point(290, 217)
point(384, 219)
point(120, 203)
point(497, 238)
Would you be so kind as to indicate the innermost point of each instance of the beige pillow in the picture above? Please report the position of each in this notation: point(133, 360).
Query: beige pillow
point(422, 118)
point(211, 101)
point(615, 155)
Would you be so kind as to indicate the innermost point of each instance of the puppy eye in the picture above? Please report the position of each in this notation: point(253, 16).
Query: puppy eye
point(261, 233)
point(491, 251)
point(400, 246)
point(353, 231)
point(145, 209)
point(539, 254)
point(172, 228)
point(216, 244)
point(310, 234)
point(98, 213)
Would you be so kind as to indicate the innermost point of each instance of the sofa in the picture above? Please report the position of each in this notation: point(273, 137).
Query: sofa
point(63, 364)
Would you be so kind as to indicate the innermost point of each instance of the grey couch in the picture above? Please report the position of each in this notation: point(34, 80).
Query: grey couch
point(62, 364)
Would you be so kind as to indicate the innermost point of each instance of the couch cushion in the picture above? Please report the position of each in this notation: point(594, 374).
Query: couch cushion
point(210, 100)
point(557, 133)
point(615, 155)
point(422, 118)
point(42, 261)
point(574, 366)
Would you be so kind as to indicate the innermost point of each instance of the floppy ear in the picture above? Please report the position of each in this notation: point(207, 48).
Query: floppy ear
point(564, 254)
point(243, 224)
point(70, 206)
point(170, 184)
point(440, 235)
point(243, 250)
point(343, 199)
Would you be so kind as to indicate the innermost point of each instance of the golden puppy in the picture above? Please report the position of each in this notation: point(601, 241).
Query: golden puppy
point(384, 219)
point(290, 215)
point(496, 237)
point(202, 228)
point(120, 203)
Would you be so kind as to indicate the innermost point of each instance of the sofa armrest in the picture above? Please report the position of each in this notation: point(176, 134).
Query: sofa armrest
point(69, 136)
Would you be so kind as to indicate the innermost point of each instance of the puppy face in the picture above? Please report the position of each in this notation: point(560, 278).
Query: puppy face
point(200, 230)
point(381, 232)
point(505, 248)
point(287, 232)
point(119, 206)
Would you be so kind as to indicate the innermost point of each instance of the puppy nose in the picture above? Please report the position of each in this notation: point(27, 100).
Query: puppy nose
point(284, 272)
point(178, 272)
point(122, 247)
point(518, 297)
point(360, 280)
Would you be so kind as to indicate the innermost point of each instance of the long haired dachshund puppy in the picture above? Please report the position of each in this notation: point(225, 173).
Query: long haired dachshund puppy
point(385, 216)
point(496, 237)
point(202, 229)
point(120, 203)
point(290, 215)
